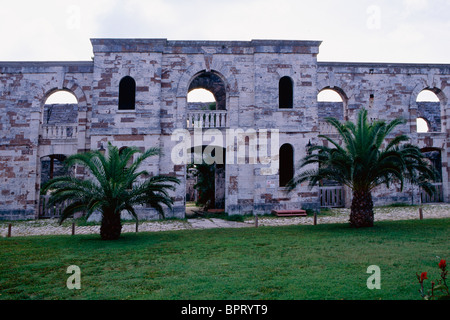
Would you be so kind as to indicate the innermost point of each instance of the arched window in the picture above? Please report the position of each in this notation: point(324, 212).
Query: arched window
point(208, 88)
point(61, 107)
point(422, 125)
point(286, 164)
point(285, 93)
point(330, 104)
point(61, 97)
point(127, 93)
point(428, 111)
point(329, 95)
point(201, 99)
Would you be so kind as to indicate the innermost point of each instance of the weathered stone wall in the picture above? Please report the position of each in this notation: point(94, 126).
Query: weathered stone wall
point(389, 91)
point(24, 87)
point(244, 76)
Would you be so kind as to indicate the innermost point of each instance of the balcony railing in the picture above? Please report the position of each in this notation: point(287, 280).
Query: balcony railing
point(207, 119)
point(59, 131)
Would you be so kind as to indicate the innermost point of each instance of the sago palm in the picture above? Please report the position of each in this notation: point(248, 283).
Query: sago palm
point(368, 157)
point(116, 184)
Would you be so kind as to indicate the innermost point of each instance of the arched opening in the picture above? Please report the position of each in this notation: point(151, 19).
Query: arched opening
point(60, 107)
point(422, 125)
point(435, 158)
point(285, 93)
point(286, 170)
point(330, 104)
point(212, 84)
point(127, 93)
point(201, 99)
point(205, 181)
point(427, 95)
point(52, 166)
point(429, 110)
point(61, 97)
point(329, 95)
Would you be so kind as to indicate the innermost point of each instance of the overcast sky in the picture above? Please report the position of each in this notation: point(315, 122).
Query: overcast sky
point(360, 30)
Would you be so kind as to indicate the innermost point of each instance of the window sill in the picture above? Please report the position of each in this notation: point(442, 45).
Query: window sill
point(126, 111)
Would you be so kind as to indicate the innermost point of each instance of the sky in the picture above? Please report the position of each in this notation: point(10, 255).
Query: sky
point(408, 31)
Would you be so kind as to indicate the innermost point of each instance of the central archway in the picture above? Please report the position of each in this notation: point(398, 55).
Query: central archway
point(205, 181)
point(212, 82)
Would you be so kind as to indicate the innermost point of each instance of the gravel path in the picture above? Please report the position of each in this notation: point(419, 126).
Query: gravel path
point(51, 227)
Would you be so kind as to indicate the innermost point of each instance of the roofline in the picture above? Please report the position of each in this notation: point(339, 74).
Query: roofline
point(381, 64)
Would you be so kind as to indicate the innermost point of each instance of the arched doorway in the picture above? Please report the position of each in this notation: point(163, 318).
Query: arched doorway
point(205, 179)
point(52, 166)
point(435, 158)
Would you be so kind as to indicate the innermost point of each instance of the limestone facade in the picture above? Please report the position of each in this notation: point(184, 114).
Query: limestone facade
point(248, 80)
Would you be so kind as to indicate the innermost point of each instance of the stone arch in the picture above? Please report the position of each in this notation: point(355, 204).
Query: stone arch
point(337, 85)
point(414, 106)
point(211, 81)
point(341, 92)
point(422, 85)
point(69, 86)
point(224, 73)
point(340, 108)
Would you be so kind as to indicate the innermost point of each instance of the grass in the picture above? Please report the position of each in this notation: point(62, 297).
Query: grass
point(294, 262)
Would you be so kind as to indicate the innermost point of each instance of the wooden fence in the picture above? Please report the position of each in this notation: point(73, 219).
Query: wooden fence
point(332, 196)
point(437, 197)
point(46, 211)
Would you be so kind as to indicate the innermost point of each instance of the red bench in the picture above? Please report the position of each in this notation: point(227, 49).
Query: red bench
point(288, 213)
point(216, 210)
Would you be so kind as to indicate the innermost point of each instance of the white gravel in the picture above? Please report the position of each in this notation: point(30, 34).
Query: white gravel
point(51, 227)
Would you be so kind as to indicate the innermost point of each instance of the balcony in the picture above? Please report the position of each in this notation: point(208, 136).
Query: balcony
point(207, 119)
point(59, 131)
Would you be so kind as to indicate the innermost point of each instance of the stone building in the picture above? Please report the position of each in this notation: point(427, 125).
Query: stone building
point(134, 92)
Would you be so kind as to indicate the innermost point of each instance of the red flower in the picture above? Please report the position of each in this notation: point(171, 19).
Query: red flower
point(442, 264)
point(423, 276)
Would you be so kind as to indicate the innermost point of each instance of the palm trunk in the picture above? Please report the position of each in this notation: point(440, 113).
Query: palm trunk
point(111, 226)
point(361, 214)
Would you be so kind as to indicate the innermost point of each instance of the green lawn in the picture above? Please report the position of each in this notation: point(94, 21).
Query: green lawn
point(295, 262)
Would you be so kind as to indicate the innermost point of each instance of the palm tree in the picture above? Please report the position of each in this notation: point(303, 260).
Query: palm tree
point(366, 159)
point(117, 185)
